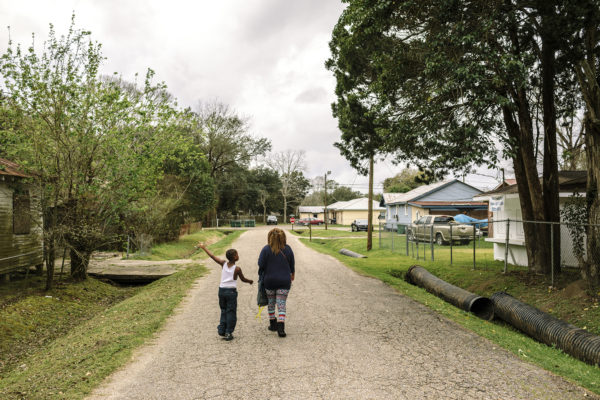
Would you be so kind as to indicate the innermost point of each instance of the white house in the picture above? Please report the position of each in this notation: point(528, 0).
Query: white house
point(504, 204)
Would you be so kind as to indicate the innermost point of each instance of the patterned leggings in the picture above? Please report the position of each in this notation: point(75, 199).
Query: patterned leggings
point(278, 297)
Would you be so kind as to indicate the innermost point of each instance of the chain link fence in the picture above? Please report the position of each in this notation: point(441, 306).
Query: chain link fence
point(480, 244)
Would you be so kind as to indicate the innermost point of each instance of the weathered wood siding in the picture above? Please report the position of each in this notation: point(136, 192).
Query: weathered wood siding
point(23, 250)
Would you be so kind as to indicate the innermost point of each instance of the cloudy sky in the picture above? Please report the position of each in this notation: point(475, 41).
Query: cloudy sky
point(264, 58)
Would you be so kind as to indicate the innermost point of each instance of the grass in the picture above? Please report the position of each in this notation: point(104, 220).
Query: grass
point(91, 328)
point(184, 247)
point(321, 232)
point(579, 309)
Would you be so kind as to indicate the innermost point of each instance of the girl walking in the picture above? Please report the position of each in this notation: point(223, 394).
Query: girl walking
point(276, 268)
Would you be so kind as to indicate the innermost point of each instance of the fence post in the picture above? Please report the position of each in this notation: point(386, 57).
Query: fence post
point(127, 248)
point(392, 241)
point(474, 244)
point(310, 231)
point(552, 254)
point(506, 246)
point(417, 241)
point(451, 244)
point(380, 235)
point(431, 241)
point(406, 234)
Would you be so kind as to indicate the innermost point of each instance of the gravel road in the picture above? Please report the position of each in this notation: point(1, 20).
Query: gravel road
point(349, 337)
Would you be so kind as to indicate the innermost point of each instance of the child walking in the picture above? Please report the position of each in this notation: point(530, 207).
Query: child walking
point(227, 290)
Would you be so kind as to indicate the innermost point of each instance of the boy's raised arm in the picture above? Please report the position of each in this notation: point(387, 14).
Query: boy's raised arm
point(218, 260)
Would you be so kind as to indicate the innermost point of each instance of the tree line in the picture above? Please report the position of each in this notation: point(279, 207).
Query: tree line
point(115, 158)
point(455, 84)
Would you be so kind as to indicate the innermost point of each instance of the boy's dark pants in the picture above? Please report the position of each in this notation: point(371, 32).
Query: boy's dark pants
point(228, 304)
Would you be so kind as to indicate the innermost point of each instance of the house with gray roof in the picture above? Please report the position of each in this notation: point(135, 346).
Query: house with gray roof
point(449, 197)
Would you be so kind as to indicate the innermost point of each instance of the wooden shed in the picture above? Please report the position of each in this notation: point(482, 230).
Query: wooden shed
point(21, 221)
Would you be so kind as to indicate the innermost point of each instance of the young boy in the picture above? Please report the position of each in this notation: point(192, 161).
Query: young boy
point(227, 290)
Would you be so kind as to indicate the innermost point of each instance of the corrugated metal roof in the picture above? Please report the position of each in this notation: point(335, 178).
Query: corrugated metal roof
point(311, 209)
point(10, 168)
point(355, 205)
point(415, 193)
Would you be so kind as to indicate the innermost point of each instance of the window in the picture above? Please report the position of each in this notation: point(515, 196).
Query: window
point(405, 209)
point(427, 220)
point(443, 220)
point(21, 212)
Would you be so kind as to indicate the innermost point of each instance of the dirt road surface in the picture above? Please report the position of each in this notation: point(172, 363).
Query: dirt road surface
point(349, 337)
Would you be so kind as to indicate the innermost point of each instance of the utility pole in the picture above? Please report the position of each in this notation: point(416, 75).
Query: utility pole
point(370, 207)
point(325, 187)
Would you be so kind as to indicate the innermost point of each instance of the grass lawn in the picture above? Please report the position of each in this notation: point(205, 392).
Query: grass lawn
point(65, 345)
point(563, 301)
point(321, 232)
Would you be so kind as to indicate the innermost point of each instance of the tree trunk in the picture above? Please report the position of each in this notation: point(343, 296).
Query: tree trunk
point(591, 269)
point(370, 207)
point(79, 264)
point(590, 88)
point(530, 189)
point(284, 209)
point(550, 187)
point(50, 259)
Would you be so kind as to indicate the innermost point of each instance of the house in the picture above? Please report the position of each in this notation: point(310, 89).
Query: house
point(504, 204)
point(311, 212)
point(21, 223)
point(344, 212)
point(449, 197)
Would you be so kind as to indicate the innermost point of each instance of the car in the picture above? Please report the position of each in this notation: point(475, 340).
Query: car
point(309, 221)
point(359, 225)
point(443, 227)
point(271, 220)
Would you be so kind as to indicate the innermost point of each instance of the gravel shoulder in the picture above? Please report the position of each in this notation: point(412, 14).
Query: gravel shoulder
point(349, 337)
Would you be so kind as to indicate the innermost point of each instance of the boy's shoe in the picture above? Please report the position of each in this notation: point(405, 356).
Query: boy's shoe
point(273, 325)
point(281, 329)
point(228, 336)
point(221, 333)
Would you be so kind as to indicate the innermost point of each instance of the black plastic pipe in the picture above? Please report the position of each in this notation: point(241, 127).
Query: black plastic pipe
point(575, 341)
point(480, 306)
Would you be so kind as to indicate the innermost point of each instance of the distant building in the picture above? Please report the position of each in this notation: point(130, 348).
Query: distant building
point(344, 212)
point(311, 212)
point(450, 197)
point(21, 222)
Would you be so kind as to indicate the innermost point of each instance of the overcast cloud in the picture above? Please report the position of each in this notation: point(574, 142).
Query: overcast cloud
point(264, 58)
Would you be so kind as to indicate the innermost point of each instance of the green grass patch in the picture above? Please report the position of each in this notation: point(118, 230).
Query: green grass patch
point(64, 345)
point(73, 364)
point(31, 317)
point(321, 232)
point(485, 279)
point(184, 247)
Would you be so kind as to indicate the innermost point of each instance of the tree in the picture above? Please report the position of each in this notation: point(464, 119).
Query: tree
point(402, 182)
point(289, 164)
point(223, 136)
point(95, 147)
point(584, 29)
point(452, 80)
point(358, 113)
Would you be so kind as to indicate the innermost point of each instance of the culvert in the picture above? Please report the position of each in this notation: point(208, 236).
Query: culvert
point(543, 327)
point(482, 307)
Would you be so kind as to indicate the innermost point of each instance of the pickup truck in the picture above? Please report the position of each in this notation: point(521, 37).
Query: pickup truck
point(421, 230)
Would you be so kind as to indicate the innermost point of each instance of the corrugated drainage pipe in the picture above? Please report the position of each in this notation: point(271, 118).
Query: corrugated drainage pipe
point(351, 253)
point(480, 306)
point(572, 340)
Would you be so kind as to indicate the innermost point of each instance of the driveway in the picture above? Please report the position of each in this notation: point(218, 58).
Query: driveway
point(349, 337)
